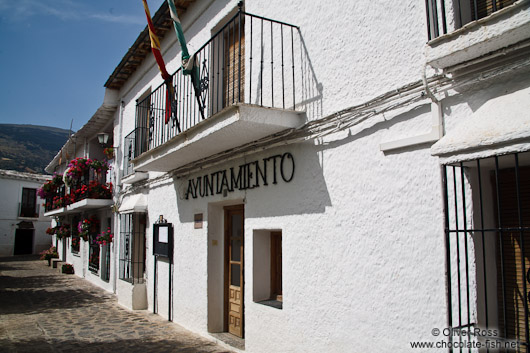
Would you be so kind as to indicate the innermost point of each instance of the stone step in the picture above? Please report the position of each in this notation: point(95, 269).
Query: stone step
point(56, 263)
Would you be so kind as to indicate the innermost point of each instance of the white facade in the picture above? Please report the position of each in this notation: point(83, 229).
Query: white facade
point(346, 124)
point(22, 223)
point(90, 260)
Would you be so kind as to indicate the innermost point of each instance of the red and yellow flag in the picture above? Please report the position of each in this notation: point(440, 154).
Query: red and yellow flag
point(155, 48)
point(155, 43)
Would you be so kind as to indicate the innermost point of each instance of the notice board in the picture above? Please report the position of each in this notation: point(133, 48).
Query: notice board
point(163, 239)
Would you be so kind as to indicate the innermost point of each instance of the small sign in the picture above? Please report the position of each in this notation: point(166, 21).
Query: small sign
point(197, 220)
point(162, 235)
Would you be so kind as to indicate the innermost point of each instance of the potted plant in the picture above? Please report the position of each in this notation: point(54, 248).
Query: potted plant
point(49, 254)
point(68, 269)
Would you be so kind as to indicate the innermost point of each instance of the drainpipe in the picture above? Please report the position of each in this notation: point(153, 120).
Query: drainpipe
point(437, 130)
point(117, 189)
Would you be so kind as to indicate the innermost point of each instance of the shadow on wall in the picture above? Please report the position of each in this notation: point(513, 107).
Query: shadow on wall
point(311, 89)
point(477, 94)
point(279, 182)
point(281, 74)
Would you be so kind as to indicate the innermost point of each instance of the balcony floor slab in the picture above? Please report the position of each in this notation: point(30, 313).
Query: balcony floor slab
point(89, 204)
point(234, 126)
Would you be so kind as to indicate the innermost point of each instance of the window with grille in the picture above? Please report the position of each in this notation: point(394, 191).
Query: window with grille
point(132, 247)
point(487, 243)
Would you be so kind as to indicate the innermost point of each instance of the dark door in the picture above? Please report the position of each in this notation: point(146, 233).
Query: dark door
point(23, 241)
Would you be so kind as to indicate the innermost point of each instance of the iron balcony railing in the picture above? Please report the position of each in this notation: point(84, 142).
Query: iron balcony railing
point(92, 185)
point(458, 13)
point(135, 144)
point(28, 211)
point(251, 59)
point(57, 200)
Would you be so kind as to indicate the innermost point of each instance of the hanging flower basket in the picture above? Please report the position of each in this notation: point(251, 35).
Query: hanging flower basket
point(62, 231)
point(86, 226)
point(109, 152)
point(49, 188)
point(105, 237)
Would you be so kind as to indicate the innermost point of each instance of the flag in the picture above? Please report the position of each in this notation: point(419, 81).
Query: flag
point(155, 48)
point(155, 44)
point(190, 65)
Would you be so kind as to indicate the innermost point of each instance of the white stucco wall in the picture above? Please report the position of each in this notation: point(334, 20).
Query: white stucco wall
point(363, 231)
point(11, 191)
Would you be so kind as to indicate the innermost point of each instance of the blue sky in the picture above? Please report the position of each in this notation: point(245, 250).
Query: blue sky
point(55, 56)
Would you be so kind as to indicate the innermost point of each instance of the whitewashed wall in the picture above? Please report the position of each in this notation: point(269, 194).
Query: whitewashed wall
point(11, 191)
point(363, 240)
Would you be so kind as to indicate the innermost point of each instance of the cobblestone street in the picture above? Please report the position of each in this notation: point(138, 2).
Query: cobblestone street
point(42, 310)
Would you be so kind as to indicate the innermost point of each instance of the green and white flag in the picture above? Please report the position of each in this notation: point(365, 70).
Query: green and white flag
point(190, 66)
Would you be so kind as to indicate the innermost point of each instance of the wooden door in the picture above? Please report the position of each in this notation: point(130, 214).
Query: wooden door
point(234, 269)
point(234, 63)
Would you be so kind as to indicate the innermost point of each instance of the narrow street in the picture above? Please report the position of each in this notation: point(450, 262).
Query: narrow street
point(42, 310)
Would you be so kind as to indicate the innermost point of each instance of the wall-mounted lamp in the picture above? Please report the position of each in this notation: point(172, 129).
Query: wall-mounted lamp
point(103, 138)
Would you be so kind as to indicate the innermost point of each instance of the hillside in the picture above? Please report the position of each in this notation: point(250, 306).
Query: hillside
point(29, 148)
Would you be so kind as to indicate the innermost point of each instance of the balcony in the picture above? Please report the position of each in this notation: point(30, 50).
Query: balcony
point(134, 145)
point(463, 30)
point(87, 189)
point(243, 89)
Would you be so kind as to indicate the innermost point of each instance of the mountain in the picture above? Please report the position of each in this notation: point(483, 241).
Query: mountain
point(29, 148)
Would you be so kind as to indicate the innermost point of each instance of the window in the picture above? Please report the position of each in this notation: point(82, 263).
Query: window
point(487, 242)
point(93, 250)
point(439, 13)
point(28, 206)
point(132, 247)
point(144, 126)
point(268, 268)
point(76, 239)
point(105, 256)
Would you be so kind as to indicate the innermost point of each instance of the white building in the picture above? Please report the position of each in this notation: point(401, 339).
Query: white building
point(86, 195)
point(22, 223)
point(357, 176)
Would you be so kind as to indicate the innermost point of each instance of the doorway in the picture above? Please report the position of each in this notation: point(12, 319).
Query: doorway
point(23, 242)
point(234, 269)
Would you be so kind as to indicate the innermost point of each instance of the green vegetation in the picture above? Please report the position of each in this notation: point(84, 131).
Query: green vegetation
point(29, 148)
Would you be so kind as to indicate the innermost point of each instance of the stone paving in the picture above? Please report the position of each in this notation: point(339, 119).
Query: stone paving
point(42, 310)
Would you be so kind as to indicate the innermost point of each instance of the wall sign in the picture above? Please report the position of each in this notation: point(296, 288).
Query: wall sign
point(246, 176)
